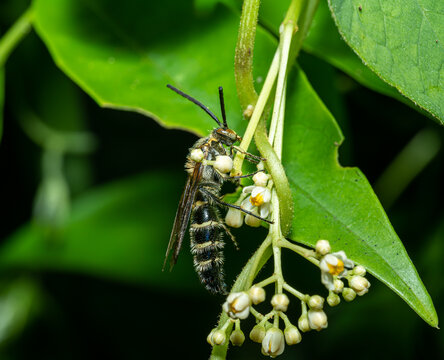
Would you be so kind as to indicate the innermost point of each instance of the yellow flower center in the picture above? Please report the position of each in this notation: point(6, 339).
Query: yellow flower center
point(336, 269)
point(258, 200)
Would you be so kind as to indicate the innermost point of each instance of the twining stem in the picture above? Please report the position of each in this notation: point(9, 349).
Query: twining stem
point(257, 113)
point(243, 58)
point(14, 35)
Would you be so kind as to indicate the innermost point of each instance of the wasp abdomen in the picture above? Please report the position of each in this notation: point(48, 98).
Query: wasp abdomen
point(206, 234)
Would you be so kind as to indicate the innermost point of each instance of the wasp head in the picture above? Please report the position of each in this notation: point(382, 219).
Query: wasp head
point(226, 136)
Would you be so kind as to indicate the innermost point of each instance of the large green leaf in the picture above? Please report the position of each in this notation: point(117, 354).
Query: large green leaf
point(119, 231)
point(325, 42)
point(402, 41)
point(338, 204)
point(123, 55)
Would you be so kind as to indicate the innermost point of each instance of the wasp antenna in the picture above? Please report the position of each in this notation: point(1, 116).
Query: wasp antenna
point(197, 102)
point(222, 106)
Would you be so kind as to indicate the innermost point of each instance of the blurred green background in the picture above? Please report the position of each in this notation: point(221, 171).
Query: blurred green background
point(89, 285)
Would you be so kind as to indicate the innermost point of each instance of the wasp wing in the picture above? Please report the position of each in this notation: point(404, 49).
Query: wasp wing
point(183, 215)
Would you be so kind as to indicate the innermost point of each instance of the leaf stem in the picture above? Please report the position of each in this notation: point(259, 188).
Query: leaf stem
point(14, 35)
point(243, 58)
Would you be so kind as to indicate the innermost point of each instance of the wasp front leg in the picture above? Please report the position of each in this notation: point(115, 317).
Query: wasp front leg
point(248, 156)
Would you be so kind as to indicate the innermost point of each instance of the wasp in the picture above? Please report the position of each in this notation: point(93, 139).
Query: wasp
point(200, 202)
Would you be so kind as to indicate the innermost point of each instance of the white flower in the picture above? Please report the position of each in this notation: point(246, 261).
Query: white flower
point(258, 203)
point(317, 319)
point(335, 264)
point(359, 284)
point(237, 305)
point(273, 343)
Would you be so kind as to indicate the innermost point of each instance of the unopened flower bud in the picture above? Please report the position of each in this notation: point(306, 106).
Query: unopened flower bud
point(316, 302)
point(292, 335)
point(323, 247)
point(218, 337)
point(257, 334)
point(237, 337)
point(252, 221)
point(333, 299)
point(237, 305)
point(234, 218)
point(280, 302)
point(210, 337)
point(348, 294)
point(249, 111)
point(260, 179)
point(196, 155)
point(223, 163)
point(359, 270)
point(338, 285)
point(359, 284)
point(317, 319)
point(273, 343)
point(303, 323)
point(257, 294)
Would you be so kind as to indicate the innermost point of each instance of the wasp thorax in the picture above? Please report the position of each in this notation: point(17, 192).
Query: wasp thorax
point(226, 136)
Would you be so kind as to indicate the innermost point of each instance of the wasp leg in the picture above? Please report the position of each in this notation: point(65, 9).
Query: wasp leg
point(219, 201)
point(250, 157)
point(233, 239)
point(240, 176)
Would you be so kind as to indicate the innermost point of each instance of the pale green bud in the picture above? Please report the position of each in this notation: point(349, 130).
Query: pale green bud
point(303, 323)
point(237, 337)
point(280, 302)
point(257, 294)
point(316, 302)
point(333, 299)
point(292, 335)
point(348, 294)
point(323, 247)
point(257, 333)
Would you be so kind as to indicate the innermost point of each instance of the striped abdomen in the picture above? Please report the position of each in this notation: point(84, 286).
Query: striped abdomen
point(206, 233)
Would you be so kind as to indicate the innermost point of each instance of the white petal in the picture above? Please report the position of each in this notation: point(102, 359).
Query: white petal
point(327, 280)
point(257, 190)
point(247, 205)
point(267, 195)
point(248, 189)
point(265, 210)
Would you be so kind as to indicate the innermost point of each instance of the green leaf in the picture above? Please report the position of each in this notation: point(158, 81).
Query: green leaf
point(124, 55)
point(325, 42)
point(119, 232)
point(402, 41)
point(338, 204)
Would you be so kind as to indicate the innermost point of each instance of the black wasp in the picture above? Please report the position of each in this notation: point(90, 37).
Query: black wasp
point(200, 201)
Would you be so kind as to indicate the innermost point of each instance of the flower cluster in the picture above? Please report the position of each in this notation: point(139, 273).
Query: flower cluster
point(336, 266)
point(267, 331)
point(257, 201)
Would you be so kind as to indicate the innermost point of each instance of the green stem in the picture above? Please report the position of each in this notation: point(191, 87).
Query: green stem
point(275, 168)
point(243, 58)
point(14, 35)
point(257, 113)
